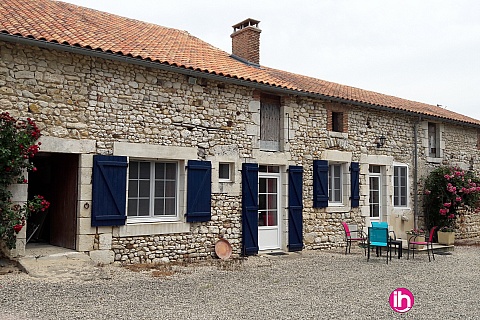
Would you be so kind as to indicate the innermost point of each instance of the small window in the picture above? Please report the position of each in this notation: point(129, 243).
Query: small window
point(335, 194)
point(374, 169)
point(400, 178)
point(152, 189)
point(224, 172)
point(269, 169)
point(337, 121)
point(433, 144)
point(478, 139)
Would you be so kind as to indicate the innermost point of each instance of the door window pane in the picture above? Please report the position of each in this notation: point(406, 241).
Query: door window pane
point(268, 201)
point(271, 185)
point(262, 218)
point(271, 218)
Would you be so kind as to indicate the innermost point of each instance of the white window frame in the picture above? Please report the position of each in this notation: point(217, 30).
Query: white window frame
point(230, 172)
point(397, 187)
point(331, 180)
point(151, 217)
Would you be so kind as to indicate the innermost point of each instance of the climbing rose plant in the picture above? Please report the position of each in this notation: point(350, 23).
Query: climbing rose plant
point(18, 145)
point(448, 189)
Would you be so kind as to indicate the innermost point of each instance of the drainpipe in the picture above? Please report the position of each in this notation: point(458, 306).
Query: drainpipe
point(415, 173)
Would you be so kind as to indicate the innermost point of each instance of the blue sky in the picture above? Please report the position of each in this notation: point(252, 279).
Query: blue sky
point(426, 51)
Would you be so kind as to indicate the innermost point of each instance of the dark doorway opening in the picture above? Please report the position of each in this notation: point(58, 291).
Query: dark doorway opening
point(56, 179)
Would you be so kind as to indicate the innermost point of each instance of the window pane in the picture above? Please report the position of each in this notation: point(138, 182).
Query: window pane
point(170, 207)
point(132, 207)
point(170, 189)
point(262, 218)
point(374, 210)
point(132, 188)
point(159, 189)
point(272, 201)
point(262, 201)
point(271, 185)
point(337, 183)
point(224, 171)
point(271, 218)
point(403, 192)
point(337, 196)
point(159, 207)
point(144, 170)
point(143, 207)
point(171, 169)
point(273, 169)
point(133, 170)
point(262, 168)
point(262, 185)
point(159, 170)
point(144, 188)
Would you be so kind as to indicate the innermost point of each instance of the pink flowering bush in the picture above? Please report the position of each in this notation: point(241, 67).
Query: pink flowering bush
point(448, 189)
point(18, 145)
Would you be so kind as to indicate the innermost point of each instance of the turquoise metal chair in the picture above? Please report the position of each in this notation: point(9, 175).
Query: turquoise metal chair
point(380, 224)
point(378, 238)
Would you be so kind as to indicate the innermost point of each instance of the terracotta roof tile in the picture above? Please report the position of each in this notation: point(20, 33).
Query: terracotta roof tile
point(59, 22)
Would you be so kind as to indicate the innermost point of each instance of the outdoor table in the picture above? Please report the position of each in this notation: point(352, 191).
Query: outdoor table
point(398, 245)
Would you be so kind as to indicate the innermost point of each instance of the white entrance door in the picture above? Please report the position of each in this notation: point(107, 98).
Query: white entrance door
point(268, 208)
point(375, 194)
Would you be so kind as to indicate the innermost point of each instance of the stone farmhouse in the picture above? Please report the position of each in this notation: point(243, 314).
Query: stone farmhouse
point(155, 144)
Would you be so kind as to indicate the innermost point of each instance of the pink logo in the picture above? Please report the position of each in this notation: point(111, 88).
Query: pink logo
point(401, 300)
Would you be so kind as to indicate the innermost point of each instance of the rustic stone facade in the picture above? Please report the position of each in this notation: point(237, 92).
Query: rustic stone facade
point(87, 106)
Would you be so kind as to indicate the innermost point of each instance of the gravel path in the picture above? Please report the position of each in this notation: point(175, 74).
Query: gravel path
point(308, 285)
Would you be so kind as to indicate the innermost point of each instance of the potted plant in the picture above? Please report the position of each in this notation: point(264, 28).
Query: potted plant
point(446, 235)
point(449, 191)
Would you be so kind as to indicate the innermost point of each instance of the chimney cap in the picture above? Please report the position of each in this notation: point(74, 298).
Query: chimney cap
point(246, 23)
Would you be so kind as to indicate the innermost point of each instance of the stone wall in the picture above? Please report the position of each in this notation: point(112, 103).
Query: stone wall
point(80, 98)
point(468, 225)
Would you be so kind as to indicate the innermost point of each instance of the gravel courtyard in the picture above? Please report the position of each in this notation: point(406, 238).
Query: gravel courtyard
point(307, 285)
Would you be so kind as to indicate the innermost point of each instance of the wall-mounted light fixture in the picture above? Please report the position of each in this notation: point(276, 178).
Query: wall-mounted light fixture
point(381, 141)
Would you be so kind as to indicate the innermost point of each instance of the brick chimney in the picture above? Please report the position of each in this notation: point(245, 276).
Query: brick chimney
point(246, 41)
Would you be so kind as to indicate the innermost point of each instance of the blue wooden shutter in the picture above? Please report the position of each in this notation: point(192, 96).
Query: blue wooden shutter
point(199, 191)
point(295, 206)
point(249, 208)
point(355, 183)
point(320, 183)
point(109, 188)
